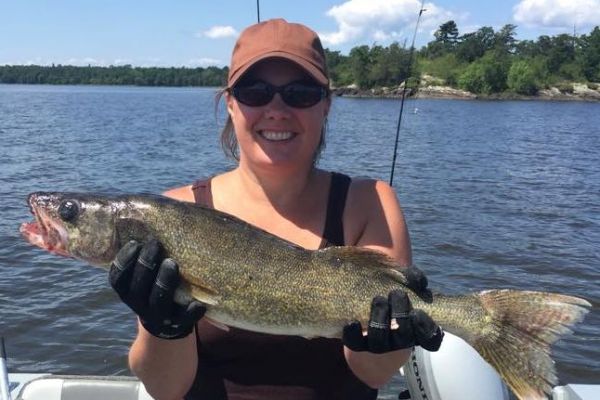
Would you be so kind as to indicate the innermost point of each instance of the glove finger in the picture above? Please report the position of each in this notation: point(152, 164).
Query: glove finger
point(379, 326)
point(402, 335)
point(195, 310)
point(161, 301)
point(353, 337)
point(191, 314)
point(121, 269)
point(144, 273)
point(415, 279)
point(427, 333)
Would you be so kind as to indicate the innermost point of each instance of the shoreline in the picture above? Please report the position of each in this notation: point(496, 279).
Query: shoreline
point(580, 93)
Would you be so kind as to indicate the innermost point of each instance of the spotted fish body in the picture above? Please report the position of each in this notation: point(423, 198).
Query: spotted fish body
point(253, 280)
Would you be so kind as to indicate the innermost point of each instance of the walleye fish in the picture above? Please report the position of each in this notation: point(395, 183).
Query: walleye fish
point(253, 280)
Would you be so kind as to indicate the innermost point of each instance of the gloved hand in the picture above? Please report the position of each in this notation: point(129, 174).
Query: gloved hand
point(147, 285)
point(393, 325)
point(415, 279)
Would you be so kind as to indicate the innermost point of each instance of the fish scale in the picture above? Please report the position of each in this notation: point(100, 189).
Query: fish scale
point(253, 280)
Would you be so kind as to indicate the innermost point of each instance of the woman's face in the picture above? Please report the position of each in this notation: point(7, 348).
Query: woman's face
point(276, 134)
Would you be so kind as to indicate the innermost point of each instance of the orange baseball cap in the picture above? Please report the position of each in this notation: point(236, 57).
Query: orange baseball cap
point(277, 38)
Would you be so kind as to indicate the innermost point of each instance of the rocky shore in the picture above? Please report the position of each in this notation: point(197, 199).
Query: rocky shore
point(579, 92)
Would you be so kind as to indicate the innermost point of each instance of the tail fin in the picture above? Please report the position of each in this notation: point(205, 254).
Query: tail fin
point(523, 326)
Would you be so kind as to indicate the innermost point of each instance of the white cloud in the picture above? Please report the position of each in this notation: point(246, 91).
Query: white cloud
point(381, 35)
point(558, 13)
point(204, 62)
point(151, 62)
point(219, 32)
point(360, 20)
point(85, 62)
point(122, 61)
point(35, 61)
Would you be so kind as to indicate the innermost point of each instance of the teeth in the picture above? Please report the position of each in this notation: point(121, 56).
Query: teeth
point(270, 135)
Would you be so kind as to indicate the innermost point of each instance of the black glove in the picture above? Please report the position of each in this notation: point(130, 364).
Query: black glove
point(147, 285)
point(415, 279)
point(410, 328)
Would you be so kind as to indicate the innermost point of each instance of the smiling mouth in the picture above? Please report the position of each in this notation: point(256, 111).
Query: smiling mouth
point(275, 136)
point(44, 232)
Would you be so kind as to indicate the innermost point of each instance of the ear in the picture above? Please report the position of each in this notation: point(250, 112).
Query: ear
point(229, 101)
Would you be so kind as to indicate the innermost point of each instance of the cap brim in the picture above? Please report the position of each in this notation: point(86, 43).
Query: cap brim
point(310, 68)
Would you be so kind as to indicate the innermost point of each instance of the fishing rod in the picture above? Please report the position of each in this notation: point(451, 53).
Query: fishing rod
point(258, 10)
point(4, 385)
point(409, 72)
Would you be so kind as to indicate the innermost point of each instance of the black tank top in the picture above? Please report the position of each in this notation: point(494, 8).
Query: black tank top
point(239, 364)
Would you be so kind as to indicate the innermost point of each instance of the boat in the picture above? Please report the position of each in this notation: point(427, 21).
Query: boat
point(40, 386)
point(426, 376)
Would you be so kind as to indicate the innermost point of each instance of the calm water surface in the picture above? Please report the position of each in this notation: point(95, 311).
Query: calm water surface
point(496, 194)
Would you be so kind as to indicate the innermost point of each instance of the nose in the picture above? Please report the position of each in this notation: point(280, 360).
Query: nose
point(276, 108)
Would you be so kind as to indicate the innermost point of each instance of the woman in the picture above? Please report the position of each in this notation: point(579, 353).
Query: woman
point(278, 100)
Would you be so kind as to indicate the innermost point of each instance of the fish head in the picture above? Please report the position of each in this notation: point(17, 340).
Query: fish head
point(73, 225)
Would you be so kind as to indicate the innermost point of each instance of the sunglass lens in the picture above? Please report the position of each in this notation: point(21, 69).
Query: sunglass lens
point(302, 95)
point(254, 95)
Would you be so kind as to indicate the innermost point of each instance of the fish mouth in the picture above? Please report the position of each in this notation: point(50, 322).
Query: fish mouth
point(45, 232)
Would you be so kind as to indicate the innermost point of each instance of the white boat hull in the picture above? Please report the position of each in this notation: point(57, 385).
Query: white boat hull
point(61, 387)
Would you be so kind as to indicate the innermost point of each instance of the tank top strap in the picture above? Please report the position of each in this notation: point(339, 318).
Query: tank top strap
point(333, 234)
point(203, 192)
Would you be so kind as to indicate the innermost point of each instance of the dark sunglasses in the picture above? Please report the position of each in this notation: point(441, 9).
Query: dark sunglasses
point(298, 94)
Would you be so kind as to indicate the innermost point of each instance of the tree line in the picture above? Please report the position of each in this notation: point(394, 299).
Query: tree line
point(113, 75)
point(485, 61)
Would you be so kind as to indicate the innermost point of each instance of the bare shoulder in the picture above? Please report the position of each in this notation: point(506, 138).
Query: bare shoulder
point(371, 190)
point(183, 193)
point(371, 198)
point(375, 219)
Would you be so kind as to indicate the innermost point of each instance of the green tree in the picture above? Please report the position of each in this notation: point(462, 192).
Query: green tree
point(522, 78)
point(378, 73)
point(527, 49)
point(447, 33)
point(474, 45)
point(505, 39)
point(485, 76)
point(561, 50)
point(590, 55)
point(446, 38)
point(113, 75)
point(399, 64)
point(446, 67)
point(359, 61)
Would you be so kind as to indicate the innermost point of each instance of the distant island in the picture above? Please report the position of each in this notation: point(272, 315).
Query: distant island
point(481, 64)
point(113, 75)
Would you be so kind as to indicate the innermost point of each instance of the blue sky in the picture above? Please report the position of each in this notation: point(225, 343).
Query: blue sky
point(201, 33)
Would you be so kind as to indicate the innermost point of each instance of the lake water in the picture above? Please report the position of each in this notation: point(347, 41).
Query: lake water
point(496, 195)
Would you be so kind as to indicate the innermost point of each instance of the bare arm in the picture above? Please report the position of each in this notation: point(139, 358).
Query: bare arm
point(166, 367)
point(383, 229)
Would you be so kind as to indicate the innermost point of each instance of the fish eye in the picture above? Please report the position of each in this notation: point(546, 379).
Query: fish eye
point(68, 210)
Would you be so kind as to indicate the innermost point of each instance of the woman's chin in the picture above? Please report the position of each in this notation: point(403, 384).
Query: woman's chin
point(281, 160)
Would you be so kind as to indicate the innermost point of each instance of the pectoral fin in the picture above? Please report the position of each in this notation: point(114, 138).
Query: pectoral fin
point(217, 324)
point(203, 294)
